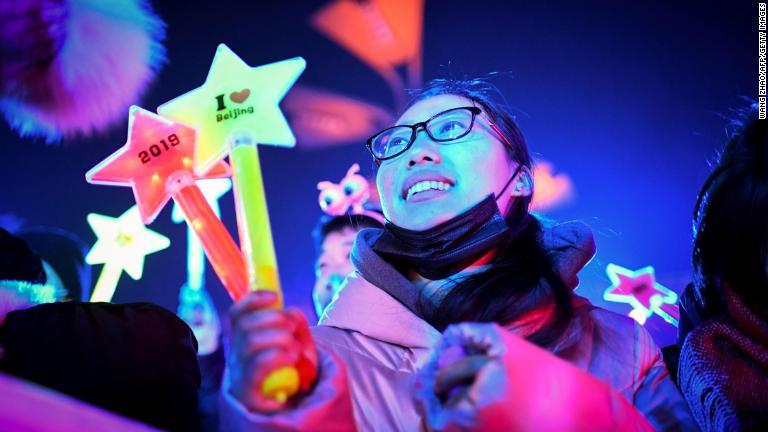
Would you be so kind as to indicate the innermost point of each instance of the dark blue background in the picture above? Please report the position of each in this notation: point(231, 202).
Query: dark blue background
point(627, 98)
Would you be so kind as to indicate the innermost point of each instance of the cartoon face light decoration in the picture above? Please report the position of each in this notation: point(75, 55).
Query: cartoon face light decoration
point(351, 192)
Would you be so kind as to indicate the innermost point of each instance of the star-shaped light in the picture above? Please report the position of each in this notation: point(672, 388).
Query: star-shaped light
point(640, 290)
point(234, 110)
point(123, 242)
point(236, 97)
point(157, 148)
point(157, 163)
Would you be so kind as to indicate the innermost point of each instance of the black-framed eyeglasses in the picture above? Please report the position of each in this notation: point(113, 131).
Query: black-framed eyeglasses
point(445, 126)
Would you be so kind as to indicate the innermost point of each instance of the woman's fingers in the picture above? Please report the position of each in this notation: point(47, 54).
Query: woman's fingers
point(253, 301)
point(268, 339)
point(250, 374)
point(298, 318)
point(263, 362)
point(264, 339)
point(262, 329)
point(265, 319)
point(459, 373)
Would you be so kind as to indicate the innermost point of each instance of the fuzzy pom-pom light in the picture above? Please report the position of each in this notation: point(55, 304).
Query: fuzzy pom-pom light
point(72, 67)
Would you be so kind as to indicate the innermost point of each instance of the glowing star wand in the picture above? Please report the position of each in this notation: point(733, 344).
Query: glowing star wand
point(157, 163)
point(234, 110)
point(640, 290)
point(121, 245)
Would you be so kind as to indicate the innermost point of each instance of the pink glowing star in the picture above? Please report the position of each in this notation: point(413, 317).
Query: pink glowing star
point(640, 290)
point(157, 148)
point(157, 163)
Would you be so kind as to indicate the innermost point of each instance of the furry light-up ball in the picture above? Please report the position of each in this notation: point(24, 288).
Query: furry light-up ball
point(71, 67)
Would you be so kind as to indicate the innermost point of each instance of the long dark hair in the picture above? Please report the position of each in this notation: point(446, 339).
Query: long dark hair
point(521, 277)
point(730, 219)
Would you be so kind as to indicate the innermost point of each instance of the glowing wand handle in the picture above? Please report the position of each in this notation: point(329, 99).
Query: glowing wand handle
point(670, 313)
point(107, 282)
point(253, 224)
point(195, 261)
point(257, 244)
point(221, 250)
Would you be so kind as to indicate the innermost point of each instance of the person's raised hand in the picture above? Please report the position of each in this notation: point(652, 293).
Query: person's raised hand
point(264, 340)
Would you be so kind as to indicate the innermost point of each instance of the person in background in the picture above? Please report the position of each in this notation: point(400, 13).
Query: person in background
point(347, 211)
point(63, 255)
point(22, 277)
point(137, 360)
point(334, 237)
point(723, 365)
point(198, 311)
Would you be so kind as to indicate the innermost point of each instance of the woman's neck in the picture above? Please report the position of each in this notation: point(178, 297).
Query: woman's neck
point(437, 288)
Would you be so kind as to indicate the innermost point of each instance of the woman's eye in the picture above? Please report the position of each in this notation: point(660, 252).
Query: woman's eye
point(397, 142)
point(451, 128)
point(394, 145)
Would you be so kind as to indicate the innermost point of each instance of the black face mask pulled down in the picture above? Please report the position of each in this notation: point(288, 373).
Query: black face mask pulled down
point(438, 252)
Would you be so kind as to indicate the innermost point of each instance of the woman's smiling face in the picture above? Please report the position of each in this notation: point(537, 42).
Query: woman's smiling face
point(433, 182)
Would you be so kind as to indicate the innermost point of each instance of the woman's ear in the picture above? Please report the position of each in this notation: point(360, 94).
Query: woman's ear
point(522, 185)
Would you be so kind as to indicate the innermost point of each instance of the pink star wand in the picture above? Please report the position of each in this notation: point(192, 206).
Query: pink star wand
point(157, 163)
point(641, 291)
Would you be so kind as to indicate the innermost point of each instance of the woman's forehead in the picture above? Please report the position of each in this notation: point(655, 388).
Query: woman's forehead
point(428, 107)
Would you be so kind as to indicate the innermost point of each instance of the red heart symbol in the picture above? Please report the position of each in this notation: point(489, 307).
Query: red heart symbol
point(240, 96)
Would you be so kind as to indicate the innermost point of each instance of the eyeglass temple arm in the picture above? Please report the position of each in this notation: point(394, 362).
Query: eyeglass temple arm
point(500, 134)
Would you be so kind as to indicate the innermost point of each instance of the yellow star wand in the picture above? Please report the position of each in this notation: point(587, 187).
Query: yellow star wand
point(234, 110)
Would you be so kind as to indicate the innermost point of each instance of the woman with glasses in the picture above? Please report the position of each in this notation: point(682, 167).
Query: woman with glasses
point(460, 314)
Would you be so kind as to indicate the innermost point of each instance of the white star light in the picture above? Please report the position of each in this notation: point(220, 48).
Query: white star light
point(121, 245)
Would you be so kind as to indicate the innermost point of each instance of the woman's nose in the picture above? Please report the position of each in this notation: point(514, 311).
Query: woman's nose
point(424, 151)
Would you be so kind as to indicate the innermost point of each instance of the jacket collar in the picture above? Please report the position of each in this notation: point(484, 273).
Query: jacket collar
point(363, 307)
point(378, 301)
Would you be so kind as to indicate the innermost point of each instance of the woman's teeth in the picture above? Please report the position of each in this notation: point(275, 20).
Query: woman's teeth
point(426, 185)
